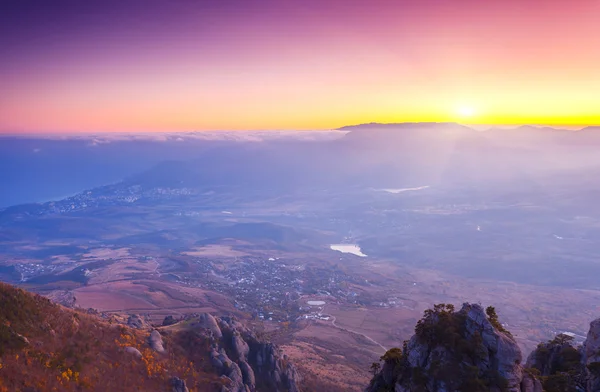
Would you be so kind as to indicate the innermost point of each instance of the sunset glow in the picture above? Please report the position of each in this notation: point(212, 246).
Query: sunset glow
point(205, 65)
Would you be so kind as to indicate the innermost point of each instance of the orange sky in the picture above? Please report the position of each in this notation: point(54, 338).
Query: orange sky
point(208, 65)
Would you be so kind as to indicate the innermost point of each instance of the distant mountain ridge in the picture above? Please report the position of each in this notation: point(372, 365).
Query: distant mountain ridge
point(40, 169)
point(408, 125)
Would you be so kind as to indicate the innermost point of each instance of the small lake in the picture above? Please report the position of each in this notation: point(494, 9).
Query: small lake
point(402, 190)
point(348, 248)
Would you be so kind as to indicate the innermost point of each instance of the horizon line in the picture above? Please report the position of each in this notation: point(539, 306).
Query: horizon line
point(477, 127)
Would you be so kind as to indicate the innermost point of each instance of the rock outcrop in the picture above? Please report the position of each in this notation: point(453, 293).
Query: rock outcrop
point(245, 362)
point(179, 385)
point(169, 320)
point(470, 350)
point(135, 321)
point(591, 356)
point(530, 383)
point(239, 346)
point(248, 375)
point(453, 351)
point(207, 321)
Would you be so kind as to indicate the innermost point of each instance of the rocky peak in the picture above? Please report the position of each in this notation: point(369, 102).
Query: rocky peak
point(557, 355)
point(452, 351)
point(500, 353)
point(469, 350)
point(591, 356)
point(207, 321)
point(245, 362)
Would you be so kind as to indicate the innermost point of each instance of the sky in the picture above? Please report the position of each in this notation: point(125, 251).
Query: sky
point(179, 65)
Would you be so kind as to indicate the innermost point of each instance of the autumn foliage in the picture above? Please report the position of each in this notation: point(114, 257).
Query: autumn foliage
point(45, 347)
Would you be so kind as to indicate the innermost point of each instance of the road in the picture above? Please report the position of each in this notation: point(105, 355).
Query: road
point(370, 339)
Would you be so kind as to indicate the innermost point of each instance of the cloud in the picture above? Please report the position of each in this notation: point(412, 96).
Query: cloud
point(234, 136)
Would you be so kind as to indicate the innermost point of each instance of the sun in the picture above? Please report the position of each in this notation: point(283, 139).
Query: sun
point(466, 111)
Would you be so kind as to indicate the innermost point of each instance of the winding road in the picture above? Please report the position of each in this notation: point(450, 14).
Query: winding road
point(370, 339)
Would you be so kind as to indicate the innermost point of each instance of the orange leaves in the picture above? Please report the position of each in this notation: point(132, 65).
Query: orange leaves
point(127, 340)
point(69, 375)
point(152, 364)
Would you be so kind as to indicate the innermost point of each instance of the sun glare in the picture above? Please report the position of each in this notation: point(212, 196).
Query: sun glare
point(466, 111)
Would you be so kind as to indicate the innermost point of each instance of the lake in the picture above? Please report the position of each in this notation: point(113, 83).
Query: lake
point(348, 248)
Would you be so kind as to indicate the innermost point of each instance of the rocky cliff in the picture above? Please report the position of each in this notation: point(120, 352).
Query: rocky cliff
point(591, 357)
point(248, 363)
point(47, 347)
point(469, 350)
point(561, 366)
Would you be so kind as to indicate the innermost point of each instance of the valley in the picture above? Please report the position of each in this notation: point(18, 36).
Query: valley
point(333, 263)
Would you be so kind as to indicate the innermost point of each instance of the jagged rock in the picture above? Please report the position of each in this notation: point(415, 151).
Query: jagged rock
point(558, 361)
point(220, 359)
point(240, 347)
point(531, 384)
point(232, 323)
point(550, 356)
point(178, 385)
point(472, 346)
point(270, 363)
point(216, 360)
point(453, 351)
point(503, 353)
point(248, 375)
point(591, 356)
point(206, 320)
point(133, 351)
point(135, 321)
point(250, 360)
point(155, 341)
point(227, 387)
point(235, 375)
point(229, 369)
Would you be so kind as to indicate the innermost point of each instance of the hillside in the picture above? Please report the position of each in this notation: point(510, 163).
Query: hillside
point(46, 347)
point(470, 351)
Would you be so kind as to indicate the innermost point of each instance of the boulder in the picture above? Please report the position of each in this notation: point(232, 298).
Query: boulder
point(178, 385)
point(133, 351)
point(135, 321)
point(169, 320)
point(155, 341)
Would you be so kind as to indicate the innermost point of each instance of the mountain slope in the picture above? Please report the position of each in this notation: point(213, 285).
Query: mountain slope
point(46, 347)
